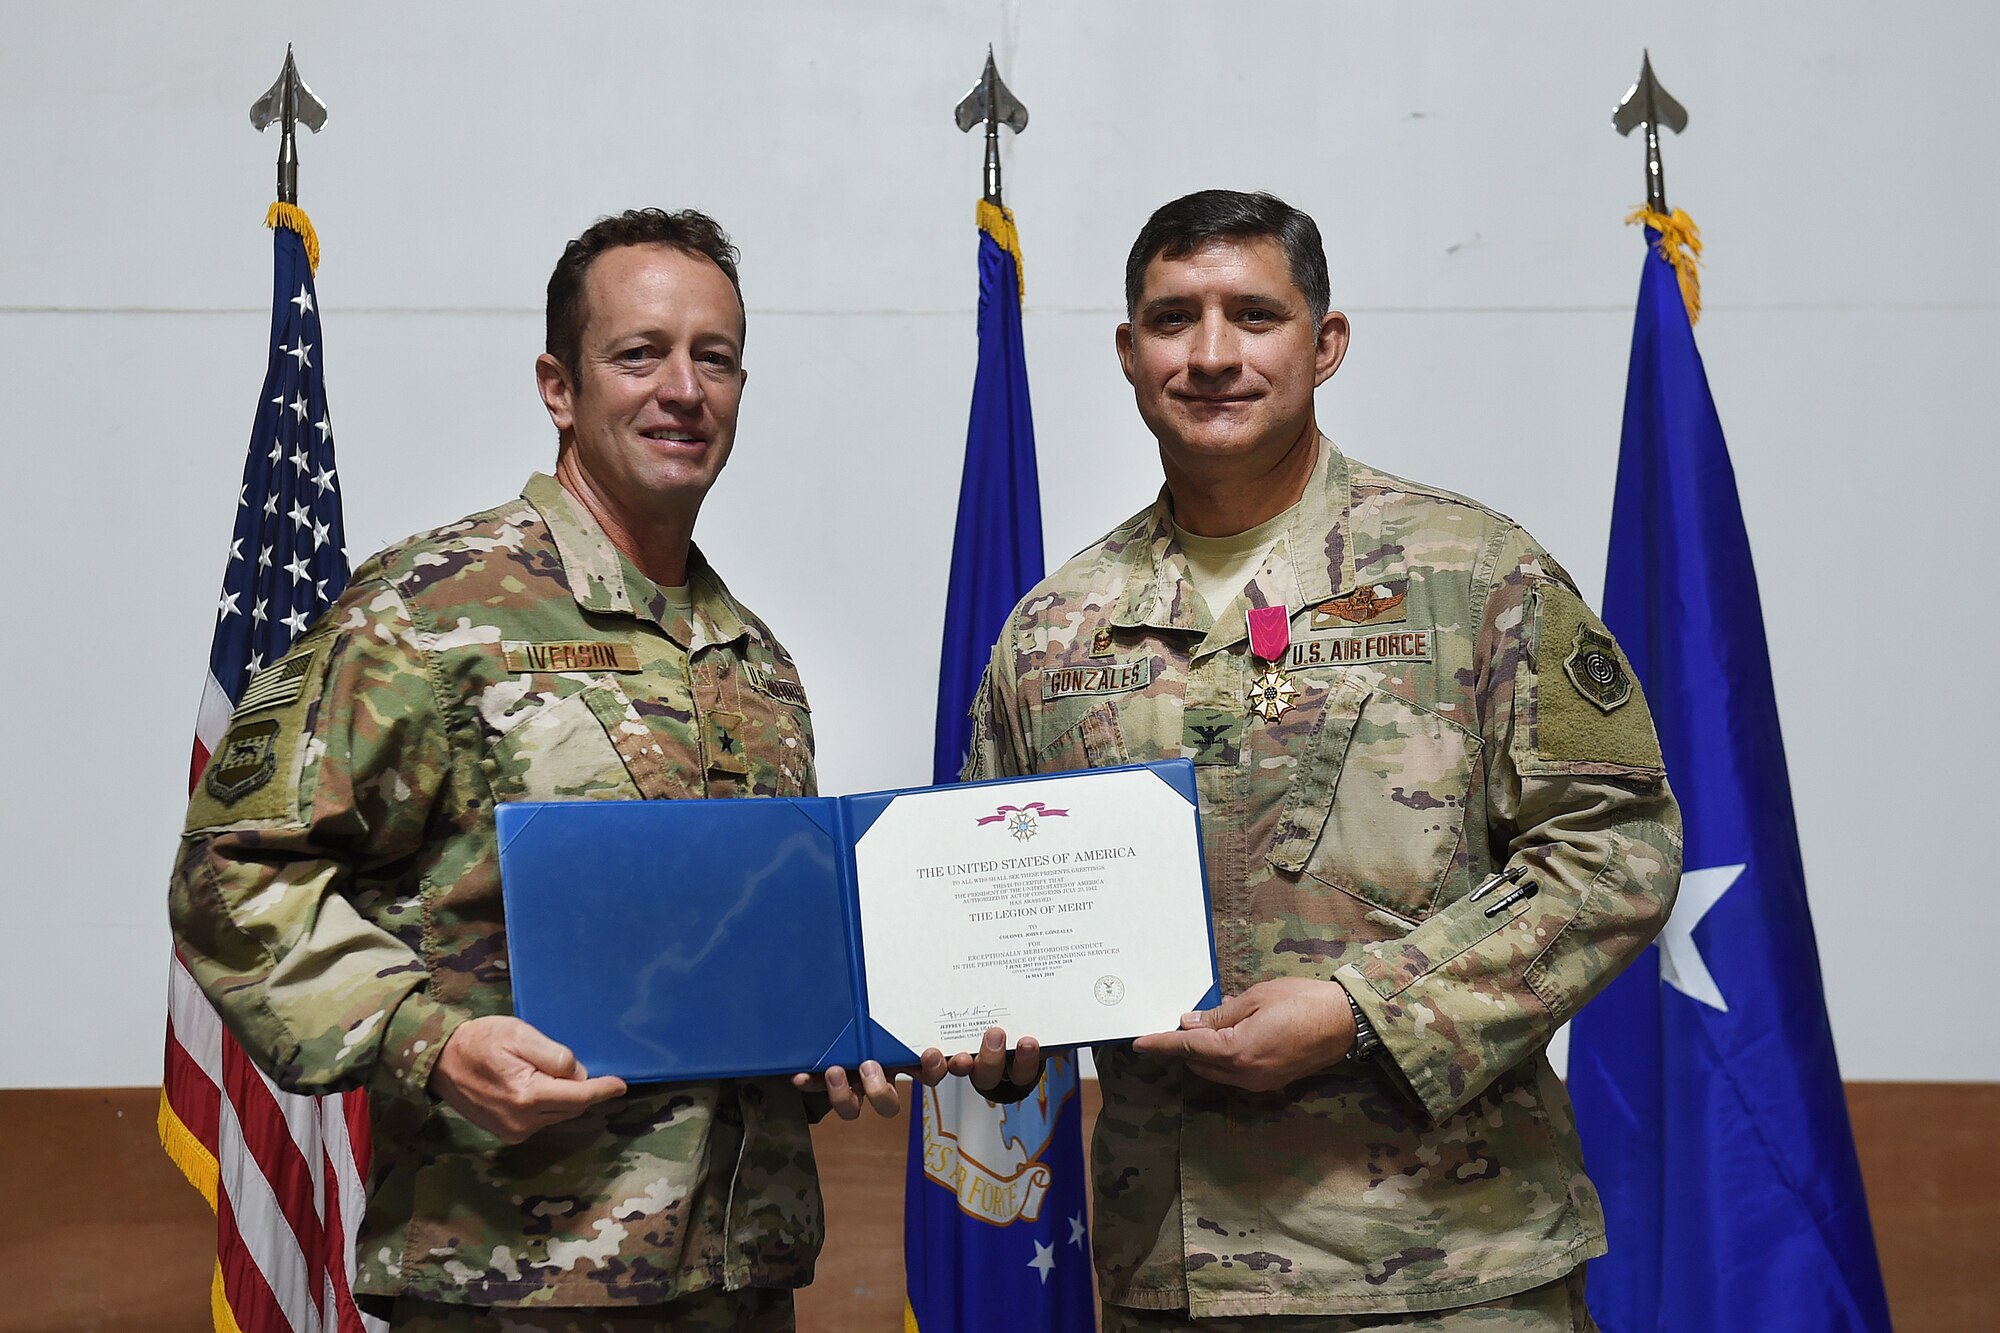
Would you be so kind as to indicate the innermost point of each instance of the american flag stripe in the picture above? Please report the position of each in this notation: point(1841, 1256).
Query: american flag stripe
point(275, 1121)
point(243, 1301)
point(284, 1173)
point(340, 1165)
point(211, 720)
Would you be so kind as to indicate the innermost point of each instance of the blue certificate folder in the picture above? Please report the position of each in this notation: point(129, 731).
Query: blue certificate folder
point(664, 941)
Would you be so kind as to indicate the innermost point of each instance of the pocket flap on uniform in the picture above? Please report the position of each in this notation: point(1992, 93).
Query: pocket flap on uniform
point(565, 748)
point(1313, 782)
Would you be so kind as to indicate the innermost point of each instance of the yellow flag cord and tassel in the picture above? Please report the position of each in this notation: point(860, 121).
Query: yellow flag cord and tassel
point(293, 218)
point(997, 221)
point(1679, 245)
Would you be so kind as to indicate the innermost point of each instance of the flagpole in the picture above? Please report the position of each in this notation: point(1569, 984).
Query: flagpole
point(283, 1173)
point(995, 1226)
point(1705, 1084)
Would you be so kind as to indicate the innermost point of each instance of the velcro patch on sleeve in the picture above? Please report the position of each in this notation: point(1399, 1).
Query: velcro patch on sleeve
point(1588, 705)
point(253, 774)
point(571, 655)
point(276, 685)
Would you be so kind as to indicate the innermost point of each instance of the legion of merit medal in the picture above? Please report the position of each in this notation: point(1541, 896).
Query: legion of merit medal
point(1270, 638)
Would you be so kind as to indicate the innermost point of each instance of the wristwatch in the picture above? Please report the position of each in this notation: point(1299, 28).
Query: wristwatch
point(1366, 1043)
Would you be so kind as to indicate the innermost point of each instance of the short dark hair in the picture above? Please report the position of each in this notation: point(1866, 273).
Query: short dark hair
point(1178, 229)
point(692, 232)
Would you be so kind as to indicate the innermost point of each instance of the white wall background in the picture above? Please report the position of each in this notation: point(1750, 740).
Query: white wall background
point(1458, 156)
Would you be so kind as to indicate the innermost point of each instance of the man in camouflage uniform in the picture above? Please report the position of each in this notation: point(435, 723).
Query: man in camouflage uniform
point(339, 900)
point(1433, 705)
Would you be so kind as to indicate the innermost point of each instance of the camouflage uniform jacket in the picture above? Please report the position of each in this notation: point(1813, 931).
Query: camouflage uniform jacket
point(337, 895)
point(1458, 710)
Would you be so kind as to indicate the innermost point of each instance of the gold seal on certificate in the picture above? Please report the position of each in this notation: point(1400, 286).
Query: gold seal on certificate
point(1069, 908)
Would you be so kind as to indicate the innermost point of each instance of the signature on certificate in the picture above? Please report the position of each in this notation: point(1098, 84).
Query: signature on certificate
point(983, 1014)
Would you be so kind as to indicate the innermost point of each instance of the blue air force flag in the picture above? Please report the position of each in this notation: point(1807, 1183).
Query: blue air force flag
point(994, 1231)
point(1704, 1077)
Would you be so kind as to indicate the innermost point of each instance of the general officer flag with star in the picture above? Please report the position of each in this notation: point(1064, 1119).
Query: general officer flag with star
point(1706, 1088)
point(994, 1229)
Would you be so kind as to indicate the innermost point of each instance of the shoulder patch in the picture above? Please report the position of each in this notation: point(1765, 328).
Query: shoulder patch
point(278, 684)
point(247, 760)
point(253, 774)
point(1597, 671)
point(1588, 708)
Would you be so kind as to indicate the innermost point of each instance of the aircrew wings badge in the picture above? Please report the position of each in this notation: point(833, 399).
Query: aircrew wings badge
point(1370, 604)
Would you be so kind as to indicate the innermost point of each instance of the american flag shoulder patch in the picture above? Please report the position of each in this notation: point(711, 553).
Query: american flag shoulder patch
point(278, 684)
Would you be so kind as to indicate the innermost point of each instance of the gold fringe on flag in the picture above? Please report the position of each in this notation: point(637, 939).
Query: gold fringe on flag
point(293, 218)
point(997, 221)
point(188, 1153)
point(1680, 245)
point(218, 1305)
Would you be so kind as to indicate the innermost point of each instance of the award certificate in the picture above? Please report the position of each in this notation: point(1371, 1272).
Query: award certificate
point(1070, 908)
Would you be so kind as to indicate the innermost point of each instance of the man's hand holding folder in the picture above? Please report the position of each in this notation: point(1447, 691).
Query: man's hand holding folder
point(996, 1074)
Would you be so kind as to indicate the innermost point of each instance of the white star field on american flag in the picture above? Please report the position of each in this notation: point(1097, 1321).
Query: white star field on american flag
point(288, 510)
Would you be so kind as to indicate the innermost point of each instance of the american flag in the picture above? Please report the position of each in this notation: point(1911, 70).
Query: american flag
point(284, 1173)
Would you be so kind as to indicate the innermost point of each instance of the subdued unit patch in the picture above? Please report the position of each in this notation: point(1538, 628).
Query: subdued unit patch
point(247, 760)
point(1593, 667)
point(1584, 684)
point(254, 771)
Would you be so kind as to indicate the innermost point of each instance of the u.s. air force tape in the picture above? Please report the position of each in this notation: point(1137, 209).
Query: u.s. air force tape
point(1341, 647)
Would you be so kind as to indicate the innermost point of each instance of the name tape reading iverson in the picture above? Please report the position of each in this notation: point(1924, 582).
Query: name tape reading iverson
point(571, 655)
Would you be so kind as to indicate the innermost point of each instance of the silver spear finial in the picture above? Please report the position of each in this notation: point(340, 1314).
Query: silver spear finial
point(992, 102)
point(1648, 104)
point(290, 103)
